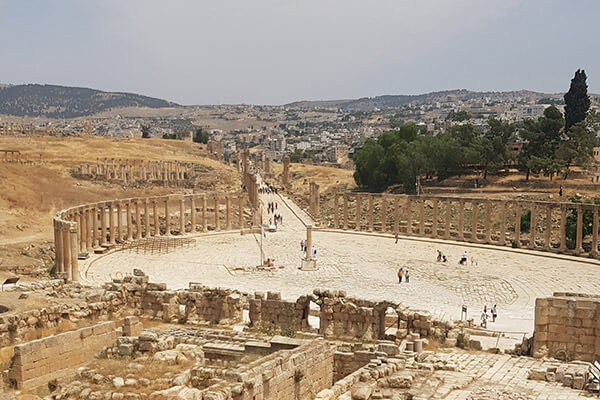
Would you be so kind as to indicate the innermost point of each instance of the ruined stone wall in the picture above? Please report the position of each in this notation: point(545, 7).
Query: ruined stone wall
point(288, 374)
point(567, 326)
point(342, 317)
point(40, 361)
point(270, 311)
point(345, 363)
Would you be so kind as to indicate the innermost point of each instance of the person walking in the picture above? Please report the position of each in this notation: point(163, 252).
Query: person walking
point(406, 276)
point(400, 275)
point(494, 313)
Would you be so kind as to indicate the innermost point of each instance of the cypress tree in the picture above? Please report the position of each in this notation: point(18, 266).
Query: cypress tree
point(577, 101)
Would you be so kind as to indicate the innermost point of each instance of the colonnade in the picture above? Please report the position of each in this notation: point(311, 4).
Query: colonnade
point(495, 222)
point(10, 156)
point(102, 225)
point(130, 169)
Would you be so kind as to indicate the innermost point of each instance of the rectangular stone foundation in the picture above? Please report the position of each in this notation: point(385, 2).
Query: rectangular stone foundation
point(39, 361)
point(567, 325)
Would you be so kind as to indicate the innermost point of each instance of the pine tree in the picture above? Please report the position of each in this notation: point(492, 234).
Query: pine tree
point(577, 101)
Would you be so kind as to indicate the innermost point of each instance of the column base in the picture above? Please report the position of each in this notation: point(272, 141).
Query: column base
point(308, 264)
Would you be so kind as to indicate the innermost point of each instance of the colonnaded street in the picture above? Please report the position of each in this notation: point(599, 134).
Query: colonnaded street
point(365, 266)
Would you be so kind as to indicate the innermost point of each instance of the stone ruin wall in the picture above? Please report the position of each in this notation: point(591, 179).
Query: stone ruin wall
point(480, 221)
point(342, 317)
point(567, 326)
point(37, 362)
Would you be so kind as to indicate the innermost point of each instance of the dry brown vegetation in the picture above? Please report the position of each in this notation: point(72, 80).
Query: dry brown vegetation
point(30, 194)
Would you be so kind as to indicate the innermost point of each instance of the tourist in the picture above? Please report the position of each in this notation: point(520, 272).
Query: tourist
point(560, 191)
point(406, 276)
point(314, 252)
point(439, 256)
point(463, 259)
point(400, 275)
point(494, 313)
point(484, 318)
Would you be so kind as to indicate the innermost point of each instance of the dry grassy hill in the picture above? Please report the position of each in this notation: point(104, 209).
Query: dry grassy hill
point(31, 193)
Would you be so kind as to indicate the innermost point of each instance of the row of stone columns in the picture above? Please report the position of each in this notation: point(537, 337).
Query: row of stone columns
point(126, 170)
point(85, 228)
point(494, 216)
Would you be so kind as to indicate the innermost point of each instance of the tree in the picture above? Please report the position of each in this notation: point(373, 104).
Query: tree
point(200, 136)
point(577, 101)
point(542, 137)
point(493, 146)
point(579, 147)
point(145, 131)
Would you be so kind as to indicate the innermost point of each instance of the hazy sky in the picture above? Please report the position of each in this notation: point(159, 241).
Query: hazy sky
point(277, 51)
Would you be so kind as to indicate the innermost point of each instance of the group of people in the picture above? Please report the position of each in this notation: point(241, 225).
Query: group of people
point(303, 248)
point(271, 207)
point(485, 316)
point(267, 189)
point(403, 273)
point(277, 219)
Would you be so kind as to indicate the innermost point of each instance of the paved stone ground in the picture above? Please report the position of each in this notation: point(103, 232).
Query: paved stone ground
point(365, 266)
point(481, 374)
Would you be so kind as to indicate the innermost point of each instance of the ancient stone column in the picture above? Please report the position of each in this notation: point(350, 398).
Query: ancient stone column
point(358, 211)
point(594, 251)
point(94, 215)
point(532, 223)
point(518, 224)
point(335, 211)
point(77, 217)
point(217, 219)
point(146, 218)
point(156, 217)
point(58, 247)
point(434, 222)
point(488, 221)
point(579, 239)
point(241, 211)
point(447, 218)
point(102, 210)
point(548, 230)
point(204, 215)
point(408, 215)
point(111, 223)
point(421, 216)
point(119, 229)
point(138, 220)
point(383, 212)
point(345, 202)
point(309, 241)
point(85, 230)
point(502, 237)
point(396, 215)
point(474, 206)
point(167, 217)
point(73, 272)
point(286, 172)
point(370, 216)
point(461, 220)
point(182, 215)
point(66, 241)
point(228, 213)
point(193, 213)
point(128, 216)
point(563, 229)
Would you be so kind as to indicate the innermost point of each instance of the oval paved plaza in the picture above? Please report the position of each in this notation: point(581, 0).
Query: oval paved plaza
point(365, 266)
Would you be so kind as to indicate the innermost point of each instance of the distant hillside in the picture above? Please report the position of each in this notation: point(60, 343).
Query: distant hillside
point(67, 102)
point(396, 101)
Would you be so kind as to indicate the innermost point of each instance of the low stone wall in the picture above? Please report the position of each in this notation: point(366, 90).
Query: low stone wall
point(37, 362)
point(567, 326)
